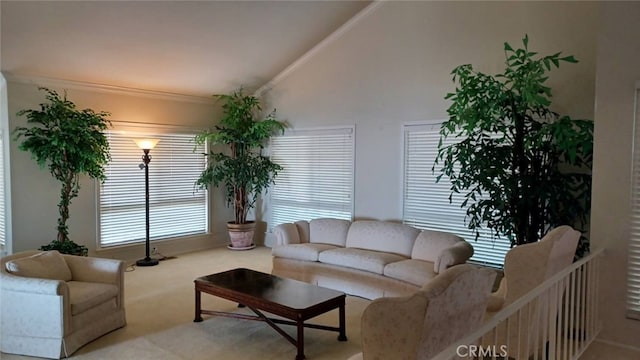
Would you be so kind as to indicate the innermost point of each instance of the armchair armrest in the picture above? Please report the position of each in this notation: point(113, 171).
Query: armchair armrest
point(92, 269)
point(23, 284)
point(456, 254)
point(497, 298)
point(392, 327)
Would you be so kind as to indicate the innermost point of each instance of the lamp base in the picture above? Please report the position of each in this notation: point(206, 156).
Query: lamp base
point(147, 262)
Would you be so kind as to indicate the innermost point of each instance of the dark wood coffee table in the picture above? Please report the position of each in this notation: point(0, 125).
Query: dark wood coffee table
point(290, 299)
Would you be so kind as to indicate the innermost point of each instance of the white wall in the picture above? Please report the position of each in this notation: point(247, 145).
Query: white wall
point(393, 66)
point(617, 73)
point(35, 193)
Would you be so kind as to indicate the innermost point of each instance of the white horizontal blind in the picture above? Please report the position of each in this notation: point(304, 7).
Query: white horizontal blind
point(176, 208)
point(426, 203)
point(633, 271)
point(2, 190)
point(317, 176)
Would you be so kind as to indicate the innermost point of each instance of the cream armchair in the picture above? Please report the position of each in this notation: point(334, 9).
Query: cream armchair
point(420, 326)
point(52, 304)
point(526, 267)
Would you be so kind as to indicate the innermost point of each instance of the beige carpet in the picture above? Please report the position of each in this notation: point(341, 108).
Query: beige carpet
point(160, 311)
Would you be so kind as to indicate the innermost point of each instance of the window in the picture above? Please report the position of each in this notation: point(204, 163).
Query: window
point(317, 176)
point(5, 194)
point(2, 187)
point(633, 278)
point(426, 203)
point(176, 207)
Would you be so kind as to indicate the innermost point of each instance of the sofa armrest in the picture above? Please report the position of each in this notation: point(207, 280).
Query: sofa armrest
point(456, 254)
point(93, 269)
point(286, 234)
point(23, 284)
point(391, 327)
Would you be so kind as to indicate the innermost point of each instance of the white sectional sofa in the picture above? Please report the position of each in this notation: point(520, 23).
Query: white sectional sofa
point(365, 258)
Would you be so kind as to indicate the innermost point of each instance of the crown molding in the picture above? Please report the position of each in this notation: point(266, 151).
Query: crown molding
point(334, 36)
point(102, 88)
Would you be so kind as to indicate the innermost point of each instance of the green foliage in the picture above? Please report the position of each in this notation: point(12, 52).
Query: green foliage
point(66, 247)
point(521, 168)
point(243, 171)
point(70, 142)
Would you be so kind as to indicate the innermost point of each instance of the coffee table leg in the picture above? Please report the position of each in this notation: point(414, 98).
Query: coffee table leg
point(300, 344)
point(343, 330)
point(198, 317)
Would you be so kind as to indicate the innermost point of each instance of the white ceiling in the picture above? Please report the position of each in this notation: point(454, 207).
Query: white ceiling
point(186, 47)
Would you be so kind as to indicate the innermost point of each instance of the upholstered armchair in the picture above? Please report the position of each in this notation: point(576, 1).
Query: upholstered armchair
point(526, 267)
point(52, 304)
point(420, 326)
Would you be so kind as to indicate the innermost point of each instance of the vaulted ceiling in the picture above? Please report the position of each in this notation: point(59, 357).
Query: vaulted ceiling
point(186, 47)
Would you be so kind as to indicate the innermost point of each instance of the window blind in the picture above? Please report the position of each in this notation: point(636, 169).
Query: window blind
point(175, 207)
point(2, 190)
point(317, 176)
point(633, 263)
point(426, 203)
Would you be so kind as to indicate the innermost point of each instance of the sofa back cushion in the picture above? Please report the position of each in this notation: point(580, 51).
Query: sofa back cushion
point(287, 233)
point(329, 231)
point(382, 236)
point(303, 231)
point(430, 243)
point(44, 265)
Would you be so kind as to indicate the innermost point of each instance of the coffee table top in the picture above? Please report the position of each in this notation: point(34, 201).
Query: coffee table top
point(287, 292)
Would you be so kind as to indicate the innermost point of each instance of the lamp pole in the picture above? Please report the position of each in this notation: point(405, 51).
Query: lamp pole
point(146, 145)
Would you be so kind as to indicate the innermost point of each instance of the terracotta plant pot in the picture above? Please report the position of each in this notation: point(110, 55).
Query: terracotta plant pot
point(241, 235)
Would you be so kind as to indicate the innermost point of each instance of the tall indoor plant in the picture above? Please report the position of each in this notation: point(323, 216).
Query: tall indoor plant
point(521, 167)
point(71, 143)
point(240, 167)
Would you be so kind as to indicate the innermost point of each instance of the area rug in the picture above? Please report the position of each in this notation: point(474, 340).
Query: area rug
point(227, 338)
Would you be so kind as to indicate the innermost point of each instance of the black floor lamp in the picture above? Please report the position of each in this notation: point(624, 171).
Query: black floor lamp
point(146, 145)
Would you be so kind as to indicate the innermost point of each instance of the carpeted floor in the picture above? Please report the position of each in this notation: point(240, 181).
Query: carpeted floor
point(160, 311)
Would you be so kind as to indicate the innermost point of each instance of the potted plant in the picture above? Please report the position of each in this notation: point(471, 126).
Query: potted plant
point(70, 142)
point(521, 167)
point(240, 167)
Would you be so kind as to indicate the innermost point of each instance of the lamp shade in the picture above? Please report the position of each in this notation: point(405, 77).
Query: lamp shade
point(146, 144)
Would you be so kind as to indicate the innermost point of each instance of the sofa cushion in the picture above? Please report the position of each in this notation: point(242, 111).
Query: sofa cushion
point(429, 244)
point(329, 231)
point(44, 265)
point(382, 236)
point(307, 252)
point(86, 295)
point(416, 272)
point(367, 260)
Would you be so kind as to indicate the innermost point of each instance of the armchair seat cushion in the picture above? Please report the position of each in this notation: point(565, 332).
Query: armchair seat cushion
point(416, 272)
point(306, 252)
point(367, 260)
point(86, 295)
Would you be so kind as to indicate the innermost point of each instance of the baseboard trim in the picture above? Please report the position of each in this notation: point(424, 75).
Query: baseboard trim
point(616, 344)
